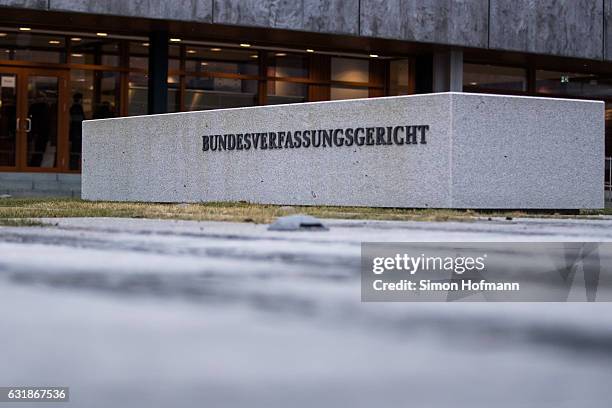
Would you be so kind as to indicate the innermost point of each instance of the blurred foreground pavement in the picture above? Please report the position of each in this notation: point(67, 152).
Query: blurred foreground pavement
point(147, 313)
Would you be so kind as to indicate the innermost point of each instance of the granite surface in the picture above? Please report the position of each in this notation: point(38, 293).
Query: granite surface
point(520, 152)
point(571, 28)
point(559, 27)
point(459, 22)
point(483, 151)
point(33, 4)
point(187, 10)
point(332, 16)
point(607, 30)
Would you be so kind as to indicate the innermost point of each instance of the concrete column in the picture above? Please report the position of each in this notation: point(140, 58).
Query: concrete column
point(448, 71)
point(158, 72)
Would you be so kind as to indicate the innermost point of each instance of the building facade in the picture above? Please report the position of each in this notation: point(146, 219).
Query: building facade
point(65, 61)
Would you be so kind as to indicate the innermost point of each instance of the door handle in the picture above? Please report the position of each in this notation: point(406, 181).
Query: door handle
point(28, 125)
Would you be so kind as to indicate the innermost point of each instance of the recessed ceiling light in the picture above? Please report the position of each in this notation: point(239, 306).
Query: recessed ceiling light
point(280, 54)
point(254, 56)
point(75, 39)
point(55, 42)
point(25, 29)
point(373, 55)
point(102, 34)
point(309, 50)
point(175, 40)
point(145, 44)
point(191, 51)
point(245, 45)
point(215, 49)
point(3, 34)
point(77, 55)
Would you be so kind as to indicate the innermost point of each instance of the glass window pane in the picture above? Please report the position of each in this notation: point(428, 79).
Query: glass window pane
point(399, 77)
point(216, 59)
point(8, 119)
point(32, 47)
point(106, 95)
point(96, 51)
point(81, 108)
point(174, 85)
point(574, 84)
point(174, 51)
point(137, 93)
point(215, 93)
point(283, 65)
point(174, 64)
point(139, 49)
point(139, 63)
point(286, 92)
point(42, 121)
point(345, 92)
point(494, 77)
point(350, 70)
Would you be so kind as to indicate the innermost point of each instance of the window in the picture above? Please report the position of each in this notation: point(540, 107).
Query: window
point(493, 77)
point(349, 78)
point(287, 78)
point(25, 46)
point(573, 84)
point(215, 93)
point(218, 77)
point(400, 81)
point(138, 86)
point(94, 51)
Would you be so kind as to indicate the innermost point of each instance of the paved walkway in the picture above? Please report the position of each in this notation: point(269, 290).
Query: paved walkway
point(147, 313)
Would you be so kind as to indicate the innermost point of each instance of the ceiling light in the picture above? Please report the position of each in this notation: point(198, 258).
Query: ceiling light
point(245, 45)
point(145, 44)
point(175, 40)
point(55, 42)
point(75, 39)
point(77, 55)
point(215, 49)
point(102, 34)
point(254, 56)
point(280, 54)
point(309, 50)
point(3, 34)
point(25, 29)
point(373, 55)
point(204, 63)
point(191, 51)
point(473, 83)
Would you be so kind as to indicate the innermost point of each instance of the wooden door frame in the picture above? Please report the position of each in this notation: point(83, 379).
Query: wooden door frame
point(19, 114)
point(62, 153)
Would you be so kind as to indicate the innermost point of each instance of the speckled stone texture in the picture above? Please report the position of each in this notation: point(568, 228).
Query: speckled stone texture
point(457, 22)
point(325, 16)
point(572, 28)
point(523, 152)
point(33, 4)
point(186, 10)
point(483, 151)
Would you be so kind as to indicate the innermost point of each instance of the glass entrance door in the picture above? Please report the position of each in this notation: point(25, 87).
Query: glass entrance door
point(42, 121)
point(32, 115)
point(8, 120)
